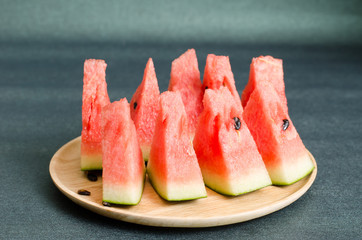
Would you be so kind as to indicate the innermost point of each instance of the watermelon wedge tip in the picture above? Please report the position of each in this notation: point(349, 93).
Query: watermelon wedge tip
point(144, 108)
point(95, 96)
point(284, 154)
point(123, 165)
point(227, 154)
point(173, 169)
point(185, 79)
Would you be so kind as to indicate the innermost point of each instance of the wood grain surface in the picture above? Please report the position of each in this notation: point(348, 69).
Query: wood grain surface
point(214, 210)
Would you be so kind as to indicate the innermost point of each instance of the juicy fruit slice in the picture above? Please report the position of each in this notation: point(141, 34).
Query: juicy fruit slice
point(123, 167)
point(269, 69)
point(227, 154)
point(95, 96)
point(172, 168)
point(218, 74)
point(283, 152)
point(144, 108)
point(185, 79)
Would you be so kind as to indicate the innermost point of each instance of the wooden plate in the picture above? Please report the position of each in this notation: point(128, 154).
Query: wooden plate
point(214, 210)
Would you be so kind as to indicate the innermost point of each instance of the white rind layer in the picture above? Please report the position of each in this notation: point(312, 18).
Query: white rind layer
point(122, 194)
point(91, 162)
point(289, 172)
point(254, 180)
point(145, 152)
point(178, 191)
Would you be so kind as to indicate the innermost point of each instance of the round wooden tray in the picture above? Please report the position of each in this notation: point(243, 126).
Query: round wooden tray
point(214, 210)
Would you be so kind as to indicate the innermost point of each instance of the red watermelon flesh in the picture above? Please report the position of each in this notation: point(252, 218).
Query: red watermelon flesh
point(123, 166)
point(95, 96)
point(172, 168)
point(227, 154)
point(144, 108)
point(283, 152)
point(185, 79)
point(218, 73)
point(265, 68)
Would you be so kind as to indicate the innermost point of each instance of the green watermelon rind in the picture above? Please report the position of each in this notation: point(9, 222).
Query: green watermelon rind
point(260, 179)
point(127, 203)
point(124, 203)
point(89, 163)
point(238, 194)
point(145, 152)
point(90, 168)
point(290, 183)
point(121, 203)
point(291, 173)
point(171, 200)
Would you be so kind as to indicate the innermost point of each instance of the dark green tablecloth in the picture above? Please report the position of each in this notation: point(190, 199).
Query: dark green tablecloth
point(43, 45)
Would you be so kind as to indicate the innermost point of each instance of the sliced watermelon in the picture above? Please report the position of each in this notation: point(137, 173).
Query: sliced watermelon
point(265, 69)
point(283, 152)
point(185, 78)
point(218, 73)
point(144, 108)
point(227, 154)
point(172, 168)
point(95, 96)
point(123, 167)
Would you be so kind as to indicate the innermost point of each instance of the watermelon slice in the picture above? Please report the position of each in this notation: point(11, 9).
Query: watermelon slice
point(172, 168)
point(227, 154)
point(283, 152)
point(95, 96)
point(185, 78)
point(123, 167)
point(218, 73)
point(265, 69)
point(144, 108)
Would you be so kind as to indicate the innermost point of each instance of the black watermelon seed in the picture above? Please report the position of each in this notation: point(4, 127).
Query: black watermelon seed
point(84, 192)
point(237, 123)
point(285, 124)
point(92, 177)
point(106, 204)
point(134, 105)
point(206, 87)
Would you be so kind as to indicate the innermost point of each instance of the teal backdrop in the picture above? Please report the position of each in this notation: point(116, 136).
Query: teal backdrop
point(239, 22)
